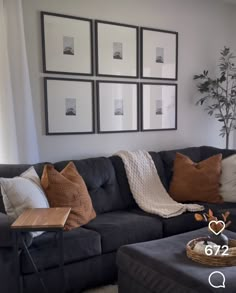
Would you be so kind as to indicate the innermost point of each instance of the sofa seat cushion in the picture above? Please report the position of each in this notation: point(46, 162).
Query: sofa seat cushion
point(186, 222)
point(175, 225)
point(218, 209)
point(79, 244)
point(125, 227)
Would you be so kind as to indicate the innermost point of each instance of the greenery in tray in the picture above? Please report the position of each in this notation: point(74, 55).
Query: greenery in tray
point(219, 93)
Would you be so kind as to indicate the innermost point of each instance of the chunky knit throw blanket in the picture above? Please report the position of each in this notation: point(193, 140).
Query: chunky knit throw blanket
point(147, 189)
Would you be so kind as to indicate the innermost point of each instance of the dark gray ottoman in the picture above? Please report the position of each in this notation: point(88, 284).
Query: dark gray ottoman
point(162, 266)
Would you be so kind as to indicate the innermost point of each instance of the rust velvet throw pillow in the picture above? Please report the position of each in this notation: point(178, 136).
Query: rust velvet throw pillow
point(196, 181)
point(68, 189)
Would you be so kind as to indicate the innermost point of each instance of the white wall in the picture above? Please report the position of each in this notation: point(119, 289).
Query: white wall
point(204, 27)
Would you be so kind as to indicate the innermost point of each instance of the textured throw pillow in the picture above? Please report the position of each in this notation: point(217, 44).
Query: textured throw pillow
point(21, 193)
point(196, 181)
point(228, 179)
point(67, 189)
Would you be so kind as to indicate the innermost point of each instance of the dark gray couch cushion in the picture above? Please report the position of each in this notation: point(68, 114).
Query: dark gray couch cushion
point(175, 225)
point(218, 209)
point(160, 167)
point(207, 151)
point(92, 272)
point(196, 154)
point(124, 227)
point(6, 235)
point(186, 222)
point(79, 244)
point(232, 218)
point(168, 158)
point(123, 181)
point(12, 170)
point(100, 178)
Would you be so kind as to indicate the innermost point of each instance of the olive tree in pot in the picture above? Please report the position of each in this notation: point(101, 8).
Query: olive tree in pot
point(220, 93)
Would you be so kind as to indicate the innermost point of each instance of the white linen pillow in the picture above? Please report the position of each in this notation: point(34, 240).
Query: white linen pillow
point(23, 192)
point(228, 179)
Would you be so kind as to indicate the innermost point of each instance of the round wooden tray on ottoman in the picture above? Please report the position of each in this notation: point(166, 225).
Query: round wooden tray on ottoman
point(212, 260)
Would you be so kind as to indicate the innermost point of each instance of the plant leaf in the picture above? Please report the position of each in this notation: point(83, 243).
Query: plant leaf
point(198, 217)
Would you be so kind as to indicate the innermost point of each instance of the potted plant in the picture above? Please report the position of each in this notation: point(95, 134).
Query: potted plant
point(220, 93)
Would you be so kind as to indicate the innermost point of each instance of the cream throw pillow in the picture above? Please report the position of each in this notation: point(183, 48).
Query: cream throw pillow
point(228, 179)
point(23, 192)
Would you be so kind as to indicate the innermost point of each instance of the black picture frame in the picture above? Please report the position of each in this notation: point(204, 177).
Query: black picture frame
point(142, 29)
point(92, 82)
point(98, 73)
point(142, 107)
point(98, 82)
point(45, 70)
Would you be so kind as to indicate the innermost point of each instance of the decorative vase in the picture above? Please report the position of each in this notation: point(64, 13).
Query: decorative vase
point(220, 239)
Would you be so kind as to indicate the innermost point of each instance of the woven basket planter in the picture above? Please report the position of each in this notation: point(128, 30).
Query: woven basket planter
point(216, 261)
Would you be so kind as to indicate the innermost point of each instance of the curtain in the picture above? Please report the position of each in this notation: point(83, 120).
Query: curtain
point(18, 139)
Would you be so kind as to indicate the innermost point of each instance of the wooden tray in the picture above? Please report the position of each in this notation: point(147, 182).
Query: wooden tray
point(216, 261)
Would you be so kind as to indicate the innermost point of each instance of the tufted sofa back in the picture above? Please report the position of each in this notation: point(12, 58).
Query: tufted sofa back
point(123, 181)
point(98, 174)
point(196, 154)
point(106, 178)
point(100, 178)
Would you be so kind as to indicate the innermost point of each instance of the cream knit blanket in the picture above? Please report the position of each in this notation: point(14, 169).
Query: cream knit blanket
point(147, 189)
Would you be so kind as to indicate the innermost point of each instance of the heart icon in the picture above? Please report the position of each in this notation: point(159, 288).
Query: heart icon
point(216, 224)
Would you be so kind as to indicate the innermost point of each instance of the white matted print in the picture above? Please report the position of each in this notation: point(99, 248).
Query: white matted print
point(69, 106)
point(67, 44)
point(159, 54)
point(117, 106)
point(159, 109)
point(116, 49)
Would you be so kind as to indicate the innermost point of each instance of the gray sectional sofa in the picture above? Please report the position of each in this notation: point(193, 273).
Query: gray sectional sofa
point(90, 251)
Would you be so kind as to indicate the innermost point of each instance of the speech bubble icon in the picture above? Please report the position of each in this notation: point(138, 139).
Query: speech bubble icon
point(217, 280)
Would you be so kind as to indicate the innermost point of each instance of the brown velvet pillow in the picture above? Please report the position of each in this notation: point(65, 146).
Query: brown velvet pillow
point(67, 189)
point(196, 181)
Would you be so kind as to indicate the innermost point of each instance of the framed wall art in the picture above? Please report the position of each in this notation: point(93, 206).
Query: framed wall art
point(67, 43)
point(159, 54)
point(116, 49)
point(117, 106)
point(158, 106)
point(69, 106)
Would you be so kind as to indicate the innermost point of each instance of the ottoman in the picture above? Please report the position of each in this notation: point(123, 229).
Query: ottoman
point(162, 266)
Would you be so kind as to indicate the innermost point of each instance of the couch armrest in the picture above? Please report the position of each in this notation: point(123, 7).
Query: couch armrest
point(6, 234)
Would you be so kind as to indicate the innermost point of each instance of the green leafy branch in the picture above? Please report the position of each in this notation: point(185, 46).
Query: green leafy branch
point(220, 93)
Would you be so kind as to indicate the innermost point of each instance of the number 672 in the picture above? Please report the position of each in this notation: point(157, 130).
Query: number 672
point(215, 249)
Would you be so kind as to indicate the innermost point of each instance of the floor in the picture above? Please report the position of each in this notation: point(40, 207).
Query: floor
point(105, 289)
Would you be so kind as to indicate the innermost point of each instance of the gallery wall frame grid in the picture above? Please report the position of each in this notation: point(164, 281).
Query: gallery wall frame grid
point(158, 49)
point(157, 107)
point(117, 51)
point(69, 52)
point(69, 102)
point(116, 107)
